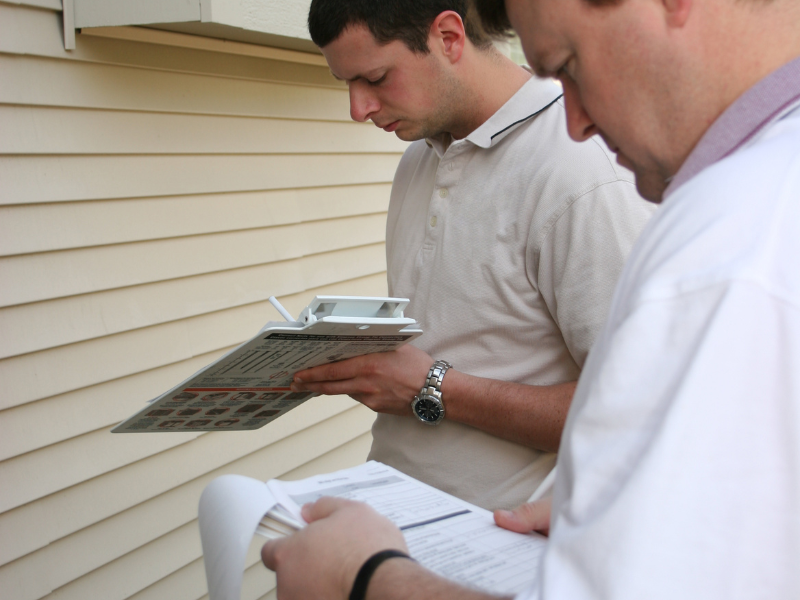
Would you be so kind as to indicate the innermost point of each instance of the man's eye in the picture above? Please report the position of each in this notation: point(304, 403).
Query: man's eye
point(376, 81)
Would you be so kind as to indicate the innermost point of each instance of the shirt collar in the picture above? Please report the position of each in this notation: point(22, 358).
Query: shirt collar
point(531, 99)
point(762, 104)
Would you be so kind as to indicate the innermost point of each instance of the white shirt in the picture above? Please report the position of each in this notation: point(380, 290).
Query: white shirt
point(509, 244)
point(679, 472)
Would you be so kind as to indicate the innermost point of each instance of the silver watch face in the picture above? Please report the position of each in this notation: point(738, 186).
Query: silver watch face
point(428, 409)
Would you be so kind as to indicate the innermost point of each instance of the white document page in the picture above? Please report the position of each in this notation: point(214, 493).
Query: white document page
point(451, 537)
point(445, 534)
point(231, 508)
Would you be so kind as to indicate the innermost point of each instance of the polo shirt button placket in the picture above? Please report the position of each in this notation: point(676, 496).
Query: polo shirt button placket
point(441, 198)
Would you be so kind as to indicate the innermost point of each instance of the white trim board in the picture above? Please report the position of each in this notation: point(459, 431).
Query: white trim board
point(196, 42)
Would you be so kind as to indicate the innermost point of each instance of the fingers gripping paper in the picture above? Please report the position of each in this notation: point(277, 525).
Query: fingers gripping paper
point(445, 534)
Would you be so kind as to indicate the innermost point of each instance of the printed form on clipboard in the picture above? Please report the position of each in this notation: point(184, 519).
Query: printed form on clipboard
point(249, 386)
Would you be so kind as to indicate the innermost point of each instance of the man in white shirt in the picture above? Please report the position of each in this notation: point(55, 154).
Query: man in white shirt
point(679, 470)
point(507, 236)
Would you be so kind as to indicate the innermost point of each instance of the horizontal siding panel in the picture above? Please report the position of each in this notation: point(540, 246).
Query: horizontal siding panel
point(43, 374)
point(80, 131)
point(32, 526)
point(188, 582)
point(153, 195)
point(50, 82)
point(67, 178)
point(27, 229)
point(42, 325)
point(48, 4)
point(26, 580)
point(355, 427)
point(43, 472)
point(37, 33)
point(37, 277)
point(126, 576)
point(94, 556)
point(257, 579)
point(38, 424)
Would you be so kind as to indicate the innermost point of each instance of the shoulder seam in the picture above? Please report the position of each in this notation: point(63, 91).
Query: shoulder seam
point(565, 206)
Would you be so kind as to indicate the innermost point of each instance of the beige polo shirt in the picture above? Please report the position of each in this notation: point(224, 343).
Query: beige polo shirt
point(509, 244)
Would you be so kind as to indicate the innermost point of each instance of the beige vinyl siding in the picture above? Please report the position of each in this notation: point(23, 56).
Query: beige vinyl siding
point(155, 190)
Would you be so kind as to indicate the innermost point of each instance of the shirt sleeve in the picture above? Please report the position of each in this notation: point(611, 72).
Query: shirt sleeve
point(580, 258)
point(678, 475)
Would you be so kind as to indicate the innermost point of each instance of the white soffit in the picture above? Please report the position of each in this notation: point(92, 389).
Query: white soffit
point(276, 23)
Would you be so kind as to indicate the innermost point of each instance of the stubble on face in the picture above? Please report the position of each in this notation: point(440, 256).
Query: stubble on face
point(450, 100)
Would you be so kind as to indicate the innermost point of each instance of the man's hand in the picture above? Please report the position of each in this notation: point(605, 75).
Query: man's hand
point(321, 561)
point(533, 516)
point(386, 382)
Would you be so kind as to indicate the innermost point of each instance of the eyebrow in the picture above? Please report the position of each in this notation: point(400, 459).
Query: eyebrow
point(544, 55)
point(357, 77)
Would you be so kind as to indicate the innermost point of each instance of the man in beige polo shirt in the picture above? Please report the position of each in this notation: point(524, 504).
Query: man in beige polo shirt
point(507, 236)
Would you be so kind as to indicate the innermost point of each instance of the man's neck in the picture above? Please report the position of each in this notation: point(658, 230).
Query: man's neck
point(735, 44)
point(767, 36)
point(488, 80)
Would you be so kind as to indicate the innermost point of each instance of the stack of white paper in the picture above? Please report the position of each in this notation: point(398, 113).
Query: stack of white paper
point(445, 534)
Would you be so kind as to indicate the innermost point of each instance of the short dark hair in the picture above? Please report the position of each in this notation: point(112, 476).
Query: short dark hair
point(408, 21)
point(494, 18)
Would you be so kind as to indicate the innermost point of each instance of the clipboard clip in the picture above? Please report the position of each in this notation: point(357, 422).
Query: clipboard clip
point(363, 307)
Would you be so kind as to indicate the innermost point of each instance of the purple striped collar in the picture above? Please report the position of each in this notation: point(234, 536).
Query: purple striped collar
point(741, 121)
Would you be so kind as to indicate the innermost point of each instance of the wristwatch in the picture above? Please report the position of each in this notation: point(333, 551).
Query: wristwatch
point(428, 406)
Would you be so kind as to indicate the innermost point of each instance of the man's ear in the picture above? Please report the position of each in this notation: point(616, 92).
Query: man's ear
point(448, 35)
point(677, 12)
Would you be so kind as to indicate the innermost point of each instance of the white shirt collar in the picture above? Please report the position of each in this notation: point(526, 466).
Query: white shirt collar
point(531, 99)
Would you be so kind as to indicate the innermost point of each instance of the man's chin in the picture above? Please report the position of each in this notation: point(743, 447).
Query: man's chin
point(401, 129)
point(622, 160)
point(650, 186)
point(408, 135)
point(410, 131)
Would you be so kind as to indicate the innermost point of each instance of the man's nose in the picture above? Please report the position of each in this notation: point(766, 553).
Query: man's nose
point(579, 124)
point(363, 103)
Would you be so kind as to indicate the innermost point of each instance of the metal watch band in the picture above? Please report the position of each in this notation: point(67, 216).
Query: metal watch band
point(433, 382)
point(428, 406)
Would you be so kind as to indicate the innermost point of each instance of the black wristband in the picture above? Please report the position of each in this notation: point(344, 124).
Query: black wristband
point(366, 571)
